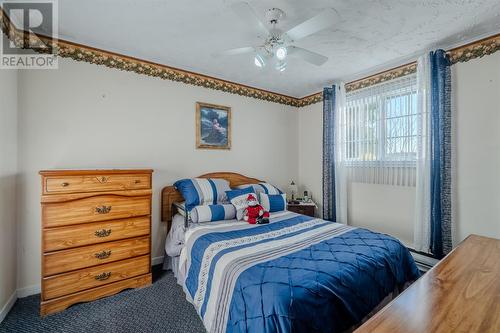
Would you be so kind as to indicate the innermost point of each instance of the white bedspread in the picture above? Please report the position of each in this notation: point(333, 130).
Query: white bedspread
point(175, 237)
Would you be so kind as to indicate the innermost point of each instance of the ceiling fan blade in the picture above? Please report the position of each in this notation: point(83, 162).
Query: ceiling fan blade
point(239, 50)
point(246, 13)
point(309, 56)
point(317, 23)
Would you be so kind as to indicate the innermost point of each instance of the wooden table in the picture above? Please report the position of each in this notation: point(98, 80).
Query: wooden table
point(460, 294)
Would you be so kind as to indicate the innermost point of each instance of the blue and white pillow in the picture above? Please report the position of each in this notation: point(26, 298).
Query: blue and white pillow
point(262, 188)
point(203, 191)
point(273, 202)
point(210, 213)
point(238, 198)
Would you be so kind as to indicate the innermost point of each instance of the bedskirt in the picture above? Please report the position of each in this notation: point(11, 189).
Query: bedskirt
point(172, 264)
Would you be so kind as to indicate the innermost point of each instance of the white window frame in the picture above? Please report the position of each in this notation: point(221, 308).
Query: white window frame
point(381, 159)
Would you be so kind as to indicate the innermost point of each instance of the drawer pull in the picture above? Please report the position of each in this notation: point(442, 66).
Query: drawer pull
point(103, 233)
point(137, 181)
point(103, 254)
point(103, 276)
point(65, 184)
point(103, 209)
point(102, 180)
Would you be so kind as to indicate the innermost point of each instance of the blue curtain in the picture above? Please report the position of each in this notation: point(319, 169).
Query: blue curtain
point(440, 153)
point(329, 212)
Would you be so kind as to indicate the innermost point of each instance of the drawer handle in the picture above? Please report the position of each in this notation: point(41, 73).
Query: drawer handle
point(65, 184)
point(137, 181)
point(102, 180)
point(103, 254)
point(103, 233)
point(103, 209)
point(103, 276)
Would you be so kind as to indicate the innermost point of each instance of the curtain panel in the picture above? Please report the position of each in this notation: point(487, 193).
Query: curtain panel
point(422, 218)
point(341, 169)
point(329, 212)
point(441, 197)
point(334, 170)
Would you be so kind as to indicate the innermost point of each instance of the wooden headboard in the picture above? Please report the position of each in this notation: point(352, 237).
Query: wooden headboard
point(169, 194)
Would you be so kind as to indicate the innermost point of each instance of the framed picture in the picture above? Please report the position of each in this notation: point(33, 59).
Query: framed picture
point(213, 126)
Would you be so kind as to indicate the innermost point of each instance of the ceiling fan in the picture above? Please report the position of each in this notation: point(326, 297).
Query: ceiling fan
point(278, 45)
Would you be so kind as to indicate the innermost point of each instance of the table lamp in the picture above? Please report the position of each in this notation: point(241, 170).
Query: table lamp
point(293, 189)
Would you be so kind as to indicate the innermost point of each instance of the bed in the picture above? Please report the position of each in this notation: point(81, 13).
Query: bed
point(295, 274)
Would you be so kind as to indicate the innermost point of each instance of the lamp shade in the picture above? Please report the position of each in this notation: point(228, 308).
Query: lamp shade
point(293, 187)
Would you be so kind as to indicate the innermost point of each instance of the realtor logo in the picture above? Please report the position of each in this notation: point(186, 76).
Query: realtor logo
point(33, 29)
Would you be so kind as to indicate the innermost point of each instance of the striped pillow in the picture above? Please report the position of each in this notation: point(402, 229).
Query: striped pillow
point(263, 188)
point(181, 208)
point(203, 191)
point(210, 213)
point(273, 202)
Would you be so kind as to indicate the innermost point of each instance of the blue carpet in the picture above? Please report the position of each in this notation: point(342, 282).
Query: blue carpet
point(159, 308)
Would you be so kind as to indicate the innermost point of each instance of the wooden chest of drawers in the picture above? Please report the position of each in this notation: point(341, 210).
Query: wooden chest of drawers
point(96, 234)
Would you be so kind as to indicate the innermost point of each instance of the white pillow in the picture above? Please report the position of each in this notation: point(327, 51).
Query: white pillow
point(238, 198)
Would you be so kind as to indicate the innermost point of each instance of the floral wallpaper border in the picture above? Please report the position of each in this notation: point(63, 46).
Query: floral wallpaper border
point(477, 49)
point(366, 82)
point(91, 55)
point(311, 99)
point(100, 57)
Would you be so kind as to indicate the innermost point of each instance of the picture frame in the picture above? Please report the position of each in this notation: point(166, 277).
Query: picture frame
point(213, 126)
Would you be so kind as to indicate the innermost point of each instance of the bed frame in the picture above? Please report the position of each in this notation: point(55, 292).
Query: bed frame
point(169, 194)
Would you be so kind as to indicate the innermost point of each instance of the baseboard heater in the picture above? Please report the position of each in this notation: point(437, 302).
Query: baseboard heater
point(424, 261)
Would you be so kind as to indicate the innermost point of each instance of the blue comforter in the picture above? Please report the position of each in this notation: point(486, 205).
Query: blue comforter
point(297, 274)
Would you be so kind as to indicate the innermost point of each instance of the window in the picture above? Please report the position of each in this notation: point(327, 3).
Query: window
point(380, 123)
point(378, 133)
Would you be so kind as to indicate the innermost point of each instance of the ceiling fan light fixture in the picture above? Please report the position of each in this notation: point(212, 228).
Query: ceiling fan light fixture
point(281, 66)
point(274, 49)
point(281, 53)
point(259, 61)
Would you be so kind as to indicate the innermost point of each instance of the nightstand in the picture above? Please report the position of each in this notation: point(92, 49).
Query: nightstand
point(304, 209)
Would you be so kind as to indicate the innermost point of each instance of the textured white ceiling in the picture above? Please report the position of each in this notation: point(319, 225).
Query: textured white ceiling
point(185, 34)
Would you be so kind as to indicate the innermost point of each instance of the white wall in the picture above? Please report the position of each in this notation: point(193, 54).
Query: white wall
point(390, 209)
point(476, 99)
point(311, 152)
point(383, 208)
point(8, 172)
point(87, 116)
